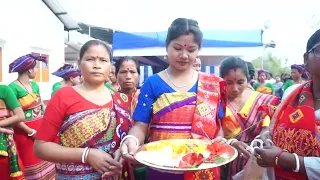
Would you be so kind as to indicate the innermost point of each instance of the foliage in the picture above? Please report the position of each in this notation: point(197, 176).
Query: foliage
point(272, 64)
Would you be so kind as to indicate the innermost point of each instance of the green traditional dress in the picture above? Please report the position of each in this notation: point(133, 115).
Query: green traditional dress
point(10, 164)
point(32, 106)
point(55, 87)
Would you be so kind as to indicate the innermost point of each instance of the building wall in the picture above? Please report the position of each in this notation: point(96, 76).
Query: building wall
point(29, 26)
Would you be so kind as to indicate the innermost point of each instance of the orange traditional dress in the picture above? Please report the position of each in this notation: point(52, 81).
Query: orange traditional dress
point(182, 115)
point(267, 88)
point(250, 116)
point(296, 129)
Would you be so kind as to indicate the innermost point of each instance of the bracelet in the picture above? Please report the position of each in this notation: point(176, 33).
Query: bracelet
point(130, 136)
point(230, 141)
point(33, 133)
point(297, 163)
point(84, 154)
point(278, 157)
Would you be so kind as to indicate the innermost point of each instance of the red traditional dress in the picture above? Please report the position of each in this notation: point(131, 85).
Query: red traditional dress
point(295, 128)
point(81, 123)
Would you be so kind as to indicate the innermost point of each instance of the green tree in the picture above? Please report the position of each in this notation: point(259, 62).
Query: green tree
point(272, 64)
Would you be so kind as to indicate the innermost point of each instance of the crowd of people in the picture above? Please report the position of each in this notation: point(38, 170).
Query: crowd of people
point(266, 84)
point(97, 117)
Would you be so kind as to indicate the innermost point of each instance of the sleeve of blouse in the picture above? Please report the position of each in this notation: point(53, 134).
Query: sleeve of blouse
point(146, 99)
point(53, 118)
point(11, 99)
point(255, 86)
point(270, 86)
point(287, 84)
point(312, 165)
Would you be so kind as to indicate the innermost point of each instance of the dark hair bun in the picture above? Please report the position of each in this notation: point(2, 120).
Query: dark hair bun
point(232, 63)
point(183, 26)
point(184, 22)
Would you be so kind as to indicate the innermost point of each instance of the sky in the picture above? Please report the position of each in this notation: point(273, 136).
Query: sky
point(291, 22)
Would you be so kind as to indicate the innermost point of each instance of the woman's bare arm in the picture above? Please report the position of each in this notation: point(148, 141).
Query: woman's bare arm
point(53, 152)
point(139, 130)
point(24, 127)
point(16, 117)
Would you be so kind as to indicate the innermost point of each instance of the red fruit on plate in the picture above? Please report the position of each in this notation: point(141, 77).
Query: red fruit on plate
point(211, 157)
point(227, 149)
point(190, 158)
point(219, 149)
point(219, 153)
point(213, 147)
point(199, 160)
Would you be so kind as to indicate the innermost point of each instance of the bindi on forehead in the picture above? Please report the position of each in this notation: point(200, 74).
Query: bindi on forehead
point(235, 80)
point(189, 46)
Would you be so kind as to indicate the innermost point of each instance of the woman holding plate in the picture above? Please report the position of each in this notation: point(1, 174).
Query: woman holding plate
point(176, 91)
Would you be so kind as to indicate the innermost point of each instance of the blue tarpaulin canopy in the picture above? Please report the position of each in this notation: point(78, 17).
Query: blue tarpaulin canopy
point(211, 39)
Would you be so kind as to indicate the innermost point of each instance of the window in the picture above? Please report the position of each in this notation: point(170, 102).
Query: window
point(0, 64)
point(43, 69)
